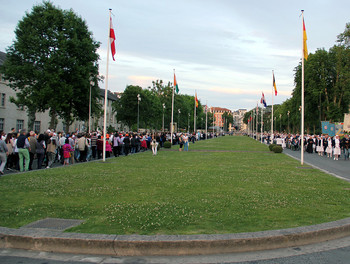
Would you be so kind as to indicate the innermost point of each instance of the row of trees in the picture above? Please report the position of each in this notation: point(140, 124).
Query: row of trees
point(327, 90)
point(156, 102)
point(53, 65)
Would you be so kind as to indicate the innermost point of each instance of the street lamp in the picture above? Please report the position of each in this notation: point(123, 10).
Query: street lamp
point(274, 123)
point(163, 117)
point(138, 111)
point(188, 124)
point(178, 120)
point(280, 123)
point(288, 121)
point(91, 84)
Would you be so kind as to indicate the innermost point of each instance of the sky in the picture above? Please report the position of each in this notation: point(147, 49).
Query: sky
point(225, 50)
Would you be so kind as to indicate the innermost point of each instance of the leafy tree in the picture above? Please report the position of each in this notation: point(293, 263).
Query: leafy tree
point(52, 63)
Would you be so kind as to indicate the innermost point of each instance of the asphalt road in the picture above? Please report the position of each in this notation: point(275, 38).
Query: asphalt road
point(339, 168)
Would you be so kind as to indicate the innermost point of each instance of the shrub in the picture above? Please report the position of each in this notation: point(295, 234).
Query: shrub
point(167, 144)
point(271, 146)
point(277, 149)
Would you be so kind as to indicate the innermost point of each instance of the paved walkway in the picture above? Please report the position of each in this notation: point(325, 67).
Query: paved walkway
point(339, 168)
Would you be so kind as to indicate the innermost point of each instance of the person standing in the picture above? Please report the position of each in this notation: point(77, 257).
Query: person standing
point(336, 147)
point(32, 142)
point(345, 145)
point(51, 152)
point(40, 150)
point(3, 153)
point(94, 145)
point(23, 153)
point(329, 148)
point(83, 146)
point(185, 141)
point(116, 144)
point(154, 145)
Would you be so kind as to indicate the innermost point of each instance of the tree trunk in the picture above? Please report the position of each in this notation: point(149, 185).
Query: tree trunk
point(53, 120)
point(31, 120)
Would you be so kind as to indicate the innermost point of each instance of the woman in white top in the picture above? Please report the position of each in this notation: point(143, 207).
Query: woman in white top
point(336, 150)
point(329, 148)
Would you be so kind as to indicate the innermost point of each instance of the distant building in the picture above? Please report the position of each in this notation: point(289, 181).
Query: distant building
point(13, 117)
point(218, 119)
point(238, 116)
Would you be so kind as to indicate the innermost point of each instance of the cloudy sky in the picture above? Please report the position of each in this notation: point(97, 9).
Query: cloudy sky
point(224, 49)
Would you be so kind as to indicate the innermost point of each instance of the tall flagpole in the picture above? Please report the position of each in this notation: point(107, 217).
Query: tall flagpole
point(106, 88)
point(257, 120)
point(262, 123)
point(206, 120)
point(302, 93)
point(172, 112)
point(195, 112)
point(272, 109)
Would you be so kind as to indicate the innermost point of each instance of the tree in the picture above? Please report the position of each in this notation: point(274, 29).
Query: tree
point(52, 64)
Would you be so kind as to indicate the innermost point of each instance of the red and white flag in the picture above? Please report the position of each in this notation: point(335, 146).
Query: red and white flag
point(112, 39)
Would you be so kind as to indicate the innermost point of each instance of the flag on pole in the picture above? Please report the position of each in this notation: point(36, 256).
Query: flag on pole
point(263, 101)
point(304, 41)
point(175, 85)
point(112, 38)
point(274, 84)
point(196, 100)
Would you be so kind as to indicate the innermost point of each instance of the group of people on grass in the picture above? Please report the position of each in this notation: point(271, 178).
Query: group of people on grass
point(19, 150)
point(324, 145)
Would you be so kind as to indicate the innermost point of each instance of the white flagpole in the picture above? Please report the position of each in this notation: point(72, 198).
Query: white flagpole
point(106, 88)
point(272, 109)
point(206, 120)
point(194, 115)
point(262, 123)
point(172, 112)
point(257, 119)
point(302, 93)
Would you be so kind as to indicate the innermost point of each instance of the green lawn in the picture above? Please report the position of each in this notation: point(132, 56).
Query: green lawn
point(241, 187)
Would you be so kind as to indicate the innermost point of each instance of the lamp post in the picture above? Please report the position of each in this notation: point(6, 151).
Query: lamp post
point(280, 123)
point(138, 111)
point(288, 121)
point(188, 123)
point(274, 123)
point(178, 119)
point(163, 117)
point(91, 84)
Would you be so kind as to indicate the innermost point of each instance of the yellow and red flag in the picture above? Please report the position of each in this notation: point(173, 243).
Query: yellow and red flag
point(196, 100)
point(274, 84)
point(304, 41)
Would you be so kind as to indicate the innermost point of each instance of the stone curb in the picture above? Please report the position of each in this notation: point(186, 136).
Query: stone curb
point(163, 245)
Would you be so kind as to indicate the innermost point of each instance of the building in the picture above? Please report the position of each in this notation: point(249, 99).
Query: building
point(13, 117)
point(238, 116)
point(219, 121)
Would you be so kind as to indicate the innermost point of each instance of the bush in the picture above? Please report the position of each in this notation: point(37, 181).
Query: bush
point(167, 144)
point(277, 149)
point(271, 146)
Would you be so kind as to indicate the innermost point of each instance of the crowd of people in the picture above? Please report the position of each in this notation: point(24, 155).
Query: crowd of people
point(324, 145)
point(18, 151)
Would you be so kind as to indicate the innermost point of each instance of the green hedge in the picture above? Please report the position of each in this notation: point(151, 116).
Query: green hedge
point(277, 149)
point(167, 144)
point(271, 146)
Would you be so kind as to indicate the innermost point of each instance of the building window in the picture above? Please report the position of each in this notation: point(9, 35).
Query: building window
point(19, 124)
point(37, 126)
point(3, 100)
point(2, 123)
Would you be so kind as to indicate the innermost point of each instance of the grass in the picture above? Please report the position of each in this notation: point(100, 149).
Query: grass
point(243, 187)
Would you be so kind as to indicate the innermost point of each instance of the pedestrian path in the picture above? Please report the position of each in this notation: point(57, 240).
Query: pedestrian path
point(338, 168)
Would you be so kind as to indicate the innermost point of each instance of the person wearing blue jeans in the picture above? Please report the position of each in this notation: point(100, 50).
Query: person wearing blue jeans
point(23, 146)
